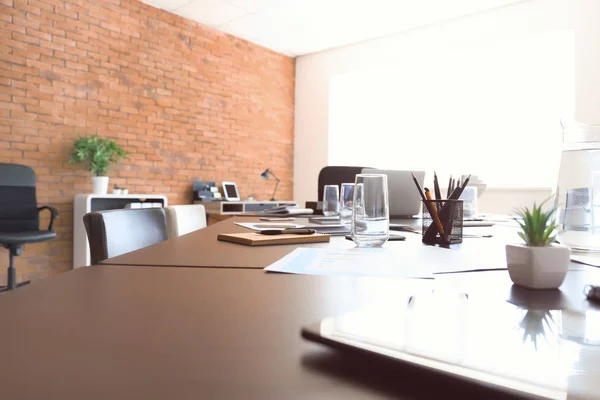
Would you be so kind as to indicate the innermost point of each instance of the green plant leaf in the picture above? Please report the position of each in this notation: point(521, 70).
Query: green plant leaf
point(537, 227)
point(96, 154)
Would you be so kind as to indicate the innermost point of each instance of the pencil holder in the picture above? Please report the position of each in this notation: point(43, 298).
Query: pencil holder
point(442, 221)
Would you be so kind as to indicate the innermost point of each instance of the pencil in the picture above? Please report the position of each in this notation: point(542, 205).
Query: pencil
point(437, 192)
point(418, 187)
point(433, 212)
point(436, 187)
point(465, 183)
point(449, 187)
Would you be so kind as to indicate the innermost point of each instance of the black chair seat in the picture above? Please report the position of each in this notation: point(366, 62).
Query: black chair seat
point(14, 238)
point(19, 216)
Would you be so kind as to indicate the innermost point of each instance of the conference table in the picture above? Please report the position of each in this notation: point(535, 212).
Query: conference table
point(171, 325)
point(200, 249)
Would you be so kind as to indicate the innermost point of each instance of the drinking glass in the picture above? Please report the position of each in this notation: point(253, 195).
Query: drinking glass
point(370, 213)
point(577, 195)
point(331, 200)
point(346, 202)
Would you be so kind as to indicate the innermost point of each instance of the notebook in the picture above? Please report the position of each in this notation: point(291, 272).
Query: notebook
point(257, 239)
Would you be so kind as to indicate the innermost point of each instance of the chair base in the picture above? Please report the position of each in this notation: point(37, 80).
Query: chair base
point(11, 275)
point(6, 288)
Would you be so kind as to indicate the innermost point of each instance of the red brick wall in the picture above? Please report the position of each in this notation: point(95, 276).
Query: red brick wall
point(186, 101)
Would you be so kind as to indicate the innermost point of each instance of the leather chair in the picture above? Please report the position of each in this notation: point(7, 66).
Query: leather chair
point(116, 232)
point(19, 215)
point(185, 219)
point(336, 175)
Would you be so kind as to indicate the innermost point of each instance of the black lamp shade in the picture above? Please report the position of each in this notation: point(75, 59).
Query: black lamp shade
point(266, 175)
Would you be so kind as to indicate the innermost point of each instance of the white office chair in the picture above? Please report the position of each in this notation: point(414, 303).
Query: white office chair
point(185, 219)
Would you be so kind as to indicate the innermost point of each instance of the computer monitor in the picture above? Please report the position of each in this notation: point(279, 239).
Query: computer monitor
point(405, 201)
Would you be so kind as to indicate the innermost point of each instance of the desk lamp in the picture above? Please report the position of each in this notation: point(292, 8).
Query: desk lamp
point(267, 175)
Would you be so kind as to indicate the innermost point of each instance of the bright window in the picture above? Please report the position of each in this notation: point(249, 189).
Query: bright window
point(491, 111)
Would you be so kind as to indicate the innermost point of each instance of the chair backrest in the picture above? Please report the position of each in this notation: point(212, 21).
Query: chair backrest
point(18, 204)
point(336, 175)
point(185, 219)
point(116, 232)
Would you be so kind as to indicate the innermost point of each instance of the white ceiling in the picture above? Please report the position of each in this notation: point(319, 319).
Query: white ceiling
point(297, 27)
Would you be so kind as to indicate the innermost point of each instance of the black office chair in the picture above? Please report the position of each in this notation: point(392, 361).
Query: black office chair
point(336, 175)
point(19, 215)
point(116, 232)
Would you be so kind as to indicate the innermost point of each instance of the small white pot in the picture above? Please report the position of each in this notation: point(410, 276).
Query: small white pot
point(538, 267)
point(100, 184)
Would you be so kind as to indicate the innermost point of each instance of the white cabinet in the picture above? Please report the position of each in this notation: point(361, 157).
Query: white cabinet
point(85, 203)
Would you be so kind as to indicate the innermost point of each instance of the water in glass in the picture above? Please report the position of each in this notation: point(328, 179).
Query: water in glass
point(370, 213)
point(331, 202)
point(346, 201)
point(577, 195)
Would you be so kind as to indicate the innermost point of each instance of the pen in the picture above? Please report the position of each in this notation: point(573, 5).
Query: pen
point(449, 187)
point(433, 212)
point(294, 231)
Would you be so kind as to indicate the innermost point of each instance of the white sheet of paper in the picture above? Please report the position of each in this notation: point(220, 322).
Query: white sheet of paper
point(588, 260)
point(400, 261)
point(348, 262)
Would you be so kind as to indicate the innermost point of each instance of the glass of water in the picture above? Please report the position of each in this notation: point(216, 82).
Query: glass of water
point(331, 200)
point(370, 212)
point(346, 202)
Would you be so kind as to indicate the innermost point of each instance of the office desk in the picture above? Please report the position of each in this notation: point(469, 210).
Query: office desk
point(217, 211)
point(123, 332)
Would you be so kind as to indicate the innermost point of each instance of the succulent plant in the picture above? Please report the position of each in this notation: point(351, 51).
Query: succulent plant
point(537, 226)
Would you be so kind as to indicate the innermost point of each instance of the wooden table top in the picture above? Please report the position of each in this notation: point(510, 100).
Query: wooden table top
point(153, 333)
point(129, 332)
point(124, 332)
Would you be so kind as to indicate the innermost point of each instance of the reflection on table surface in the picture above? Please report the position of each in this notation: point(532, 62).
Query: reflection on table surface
point(536, 350)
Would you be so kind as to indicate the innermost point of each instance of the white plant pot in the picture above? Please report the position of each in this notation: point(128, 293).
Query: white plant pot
point(99, 184)
point(538, 267)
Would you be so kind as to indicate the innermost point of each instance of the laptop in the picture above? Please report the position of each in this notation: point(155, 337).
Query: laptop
point(405, 201)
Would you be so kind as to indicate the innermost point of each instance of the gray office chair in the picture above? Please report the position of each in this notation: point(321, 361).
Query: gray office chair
point(19, 216)
point(116, 232)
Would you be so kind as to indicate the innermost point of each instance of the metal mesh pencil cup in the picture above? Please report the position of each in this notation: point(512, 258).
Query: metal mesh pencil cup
point(450, 216)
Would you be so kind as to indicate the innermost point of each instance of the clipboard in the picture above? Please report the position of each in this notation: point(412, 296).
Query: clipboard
point(256, 239)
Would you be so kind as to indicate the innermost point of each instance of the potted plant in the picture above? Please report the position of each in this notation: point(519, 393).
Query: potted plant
point(97, 154)
point(539, 263)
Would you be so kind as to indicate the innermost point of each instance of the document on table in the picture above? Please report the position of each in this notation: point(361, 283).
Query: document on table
point(594, 261)
point(349, 262)
point(397, 261)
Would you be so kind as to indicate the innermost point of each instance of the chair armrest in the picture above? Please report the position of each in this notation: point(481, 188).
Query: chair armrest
point(53, 214)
